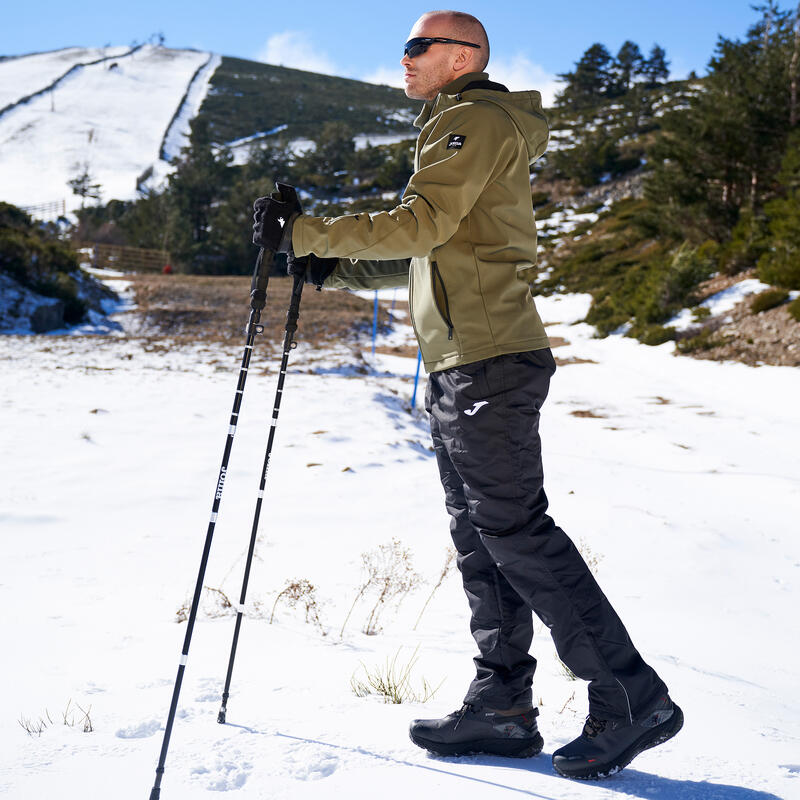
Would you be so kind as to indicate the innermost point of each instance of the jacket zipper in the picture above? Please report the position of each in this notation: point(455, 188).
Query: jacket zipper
point(445, 315)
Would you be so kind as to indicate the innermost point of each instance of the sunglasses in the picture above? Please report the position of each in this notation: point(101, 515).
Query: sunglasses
point(416, 47)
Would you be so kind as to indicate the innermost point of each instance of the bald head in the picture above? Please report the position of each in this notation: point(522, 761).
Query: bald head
point(458, 25)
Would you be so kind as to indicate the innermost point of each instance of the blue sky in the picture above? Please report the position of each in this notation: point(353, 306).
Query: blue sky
point(531, 40)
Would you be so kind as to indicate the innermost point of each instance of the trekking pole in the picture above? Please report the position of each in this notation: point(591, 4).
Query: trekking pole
point(258, 299)
point(289, 344)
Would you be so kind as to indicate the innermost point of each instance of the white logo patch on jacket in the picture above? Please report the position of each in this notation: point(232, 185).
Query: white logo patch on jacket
point(456, 141)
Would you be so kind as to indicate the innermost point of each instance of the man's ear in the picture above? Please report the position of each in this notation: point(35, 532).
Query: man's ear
point(463, 60)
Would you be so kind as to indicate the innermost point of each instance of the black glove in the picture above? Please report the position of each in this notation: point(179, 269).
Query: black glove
point(274, 217)
point(315, 269)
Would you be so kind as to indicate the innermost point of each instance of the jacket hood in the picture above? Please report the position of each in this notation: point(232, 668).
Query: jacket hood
point(524, 108)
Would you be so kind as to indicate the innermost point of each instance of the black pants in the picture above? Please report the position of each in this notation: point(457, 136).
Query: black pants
point(512, 557)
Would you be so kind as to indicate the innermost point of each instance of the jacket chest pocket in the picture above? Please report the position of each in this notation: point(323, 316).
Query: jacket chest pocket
point(440, 298)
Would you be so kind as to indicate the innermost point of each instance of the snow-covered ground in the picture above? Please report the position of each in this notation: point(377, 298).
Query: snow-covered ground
point(109, 117)
point(24, 75)
point(719, 303)
point(685, 484)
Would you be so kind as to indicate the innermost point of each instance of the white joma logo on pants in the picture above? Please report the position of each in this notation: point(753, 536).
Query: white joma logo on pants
point(476, 408)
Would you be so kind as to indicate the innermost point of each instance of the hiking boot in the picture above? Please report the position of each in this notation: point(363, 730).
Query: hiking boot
point(473, 730)
point(604, 747)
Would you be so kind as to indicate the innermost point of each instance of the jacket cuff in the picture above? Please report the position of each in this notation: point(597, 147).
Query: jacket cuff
point(297, 238)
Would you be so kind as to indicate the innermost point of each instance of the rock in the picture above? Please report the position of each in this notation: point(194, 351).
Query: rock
point(47, 316)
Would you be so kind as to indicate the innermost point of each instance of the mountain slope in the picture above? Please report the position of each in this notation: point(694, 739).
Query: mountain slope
point(122, 113)
point(107, 117)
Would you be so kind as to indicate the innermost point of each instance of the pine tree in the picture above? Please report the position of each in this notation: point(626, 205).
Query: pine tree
point(780, 265)
point(720, 157)
point(83, 184)
point(627, 66)
point(656, 67)
point(590, 79)
point(197, 188)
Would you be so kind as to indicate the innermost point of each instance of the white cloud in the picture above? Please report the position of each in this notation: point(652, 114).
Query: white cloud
point(519, 73)
point(295, 49)
point(390, 76)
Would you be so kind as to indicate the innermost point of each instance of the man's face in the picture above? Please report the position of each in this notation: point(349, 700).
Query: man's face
point(427, 73)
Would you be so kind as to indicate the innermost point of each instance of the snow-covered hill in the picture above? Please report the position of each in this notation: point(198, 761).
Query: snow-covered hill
point(682, 477)
point(113, 112)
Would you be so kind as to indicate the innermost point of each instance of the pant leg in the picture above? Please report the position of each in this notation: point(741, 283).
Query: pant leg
point(496, 452)
point(501, 622)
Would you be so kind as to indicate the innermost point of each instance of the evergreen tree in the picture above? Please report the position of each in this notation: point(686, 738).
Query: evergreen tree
point(83, 184)
point(780, 265)
point(627, 66)
point(196, 189)
point(326, 164)
point(721, 156)
point(656, 67)
point(590, 79)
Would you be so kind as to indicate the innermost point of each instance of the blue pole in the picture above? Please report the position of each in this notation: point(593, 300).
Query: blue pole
point(375, 322)
point(416, 379)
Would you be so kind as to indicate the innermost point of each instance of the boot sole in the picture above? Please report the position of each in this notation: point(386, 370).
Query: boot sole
point(511, 748)
point(596, 771)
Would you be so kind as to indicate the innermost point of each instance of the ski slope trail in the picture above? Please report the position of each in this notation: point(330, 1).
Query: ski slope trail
point(679, 479)
point(21, 77)
point(109, 117)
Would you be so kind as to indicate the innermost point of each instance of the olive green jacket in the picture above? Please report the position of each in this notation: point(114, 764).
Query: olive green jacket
point(465, 220)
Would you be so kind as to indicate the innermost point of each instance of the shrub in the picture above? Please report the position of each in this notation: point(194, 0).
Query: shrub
point(781, 267)
point(794, 309)
point(653, 335)
point(392, 682)
point(389, 575)
point(449, 563)
point(768, 299)
point(303, 592)
point(705, 340)
point(35, 258)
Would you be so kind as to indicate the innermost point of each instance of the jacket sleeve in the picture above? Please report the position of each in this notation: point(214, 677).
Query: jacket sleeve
point(369, 274)
point(439, 195)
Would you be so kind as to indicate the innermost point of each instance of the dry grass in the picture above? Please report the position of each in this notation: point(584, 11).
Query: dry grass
point(587, 413)
point(216, 308)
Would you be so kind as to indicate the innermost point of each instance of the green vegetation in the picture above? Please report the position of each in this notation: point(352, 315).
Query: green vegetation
point(32, 255)
point(794, 309)
point(768, 299)
point(721, 187)
point(247, 97)
point(202, 217)
point(705, 340)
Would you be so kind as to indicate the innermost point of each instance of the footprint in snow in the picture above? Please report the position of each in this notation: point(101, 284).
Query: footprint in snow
point(311, 765)
point(226, 774)
point(140, 731)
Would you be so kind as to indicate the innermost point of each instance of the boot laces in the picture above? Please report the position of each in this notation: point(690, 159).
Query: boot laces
point(461, 713)
point(593, 726)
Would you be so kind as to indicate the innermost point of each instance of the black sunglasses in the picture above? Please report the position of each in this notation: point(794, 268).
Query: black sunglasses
point(416, 47)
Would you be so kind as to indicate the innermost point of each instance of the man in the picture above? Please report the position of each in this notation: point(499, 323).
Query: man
point(466, 222)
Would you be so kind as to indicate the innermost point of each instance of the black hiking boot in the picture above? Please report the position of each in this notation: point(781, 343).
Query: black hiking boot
point(604, 747)
point(472, 730)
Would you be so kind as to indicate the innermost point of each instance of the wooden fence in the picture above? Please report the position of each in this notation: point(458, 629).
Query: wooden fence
point(47, 212)
point(126, 259)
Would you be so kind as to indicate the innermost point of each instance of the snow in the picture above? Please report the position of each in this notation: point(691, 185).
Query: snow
point(686, 483)
point(719, 303)
point(22, 76)
point(177, 136)
point(364, 140)
point(111, 119)
point(564, 221)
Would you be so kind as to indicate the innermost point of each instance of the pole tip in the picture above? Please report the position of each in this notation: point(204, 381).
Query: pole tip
point(220, 718)
point(155, 793)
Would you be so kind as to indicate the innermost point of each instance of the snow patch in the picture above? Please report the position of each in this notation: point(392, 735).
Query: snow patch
point(719, 303)
point(177, 136)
